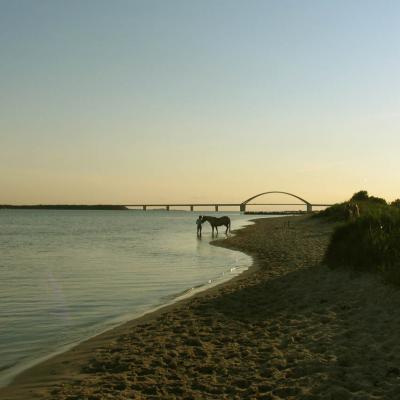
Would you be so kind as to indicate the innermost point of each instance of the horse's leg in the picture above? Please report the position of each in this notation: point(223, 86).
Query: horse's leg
point(226, 232)
point(216, 227)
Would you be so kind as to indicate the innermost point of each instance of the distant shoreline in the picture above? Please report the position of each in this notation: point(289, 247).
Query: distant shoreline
point(63, 207)
point(287, 213)
point(120, 208)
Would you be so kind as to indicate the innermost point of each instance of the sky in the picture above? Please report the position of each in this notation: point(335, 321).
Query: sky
point(198, 101)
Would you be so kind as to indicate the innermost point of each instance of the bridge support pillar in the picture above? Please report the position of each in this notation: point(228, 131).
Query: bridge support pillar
point(309, 208)
point(191, 208)
point(243, 208)
point(144, 208)
point(167, 208)
point(216, 208)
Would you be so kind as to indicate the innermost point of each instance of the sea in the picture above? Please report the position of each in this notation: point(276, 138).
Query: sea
point(67, 275)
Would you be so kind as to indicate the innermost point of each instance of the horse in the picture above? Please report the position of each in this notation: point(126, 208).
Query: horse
point(215, 222)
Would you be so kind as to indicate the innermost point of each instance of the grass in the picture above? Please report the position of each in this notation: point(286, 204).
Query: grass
point(338, 212)
point(368, 243)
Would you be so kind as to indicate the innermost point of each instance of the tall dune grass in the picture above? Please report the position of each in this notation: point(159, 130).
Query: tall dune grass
point(367, 205)
point(368, 243)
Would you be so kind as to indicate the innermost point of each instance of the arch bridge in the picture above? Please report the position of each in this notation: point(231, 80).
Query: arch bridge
point(242, 206)
point(307, 203)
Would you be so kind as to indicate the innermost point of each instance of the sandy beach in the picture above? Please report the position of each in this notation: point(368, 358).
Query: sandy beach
point(288, 328)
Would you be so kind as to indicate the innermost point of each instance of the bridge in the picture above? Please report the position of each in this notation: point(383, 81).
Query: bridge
point(242, 206)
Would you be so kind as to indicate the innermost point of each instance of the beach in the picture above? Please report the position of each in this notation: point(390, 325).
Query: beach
point(288, 328)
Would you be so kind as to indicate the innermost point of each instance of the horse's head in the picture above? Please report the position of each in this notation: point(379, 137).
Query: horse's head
point(203, 218)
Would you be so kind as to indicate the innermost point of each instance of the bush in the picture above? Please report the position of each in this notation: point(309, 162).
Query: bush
point(337, 212)
point(369, 243)
point(367, 205)
point(395, 203)
point(360, 196)
point(377, 200)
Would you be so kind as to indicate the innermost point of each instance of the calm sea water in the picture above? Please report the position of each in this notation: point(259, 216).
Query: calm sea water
point(68, 275)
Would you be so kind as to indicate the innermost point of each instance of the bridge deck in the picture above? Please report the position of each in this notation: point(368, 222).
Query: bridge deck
point(242, 206)
point(219, 204)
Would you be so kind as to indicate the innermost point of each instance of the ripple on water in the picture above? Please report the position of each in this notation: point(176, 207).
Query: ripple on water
point(67, 275)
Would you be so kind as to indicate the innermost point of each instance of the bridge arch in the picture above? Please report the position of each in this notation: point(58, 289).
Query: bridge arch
point(307, 203)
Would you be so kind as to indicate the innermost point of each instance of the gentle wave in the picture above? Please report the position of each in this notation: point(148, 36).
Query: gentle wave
point(66, 276)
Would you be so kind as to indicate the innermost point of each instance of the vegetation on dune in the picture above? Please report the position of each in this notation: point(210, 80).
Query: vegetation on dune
point(370, 242)
point(367, 205)
point(362, 195)
point(395, 203)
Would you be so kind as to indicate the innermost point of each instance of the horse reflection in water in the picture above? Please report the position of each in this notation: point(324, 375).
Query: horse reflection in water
point(215, 222)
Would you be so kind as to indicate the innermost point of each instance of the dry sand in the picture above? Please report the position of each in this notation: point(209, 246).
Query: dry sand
point(288, 328)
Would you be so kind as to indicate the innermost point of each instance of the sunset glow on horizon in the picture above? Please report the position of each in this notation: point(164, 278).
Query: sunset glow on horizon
point(213, 101)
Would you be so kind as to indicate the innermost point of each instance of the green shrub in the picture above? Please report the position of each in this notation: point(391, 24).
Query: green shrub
point(369, 243)
point(377, 200)
point(360, 196)
point(395, 203)
point(367, 205)
point(337, 212)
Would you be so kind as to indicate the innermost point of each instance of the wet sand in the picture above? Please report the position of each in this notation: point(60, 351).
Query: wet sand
point(288, 328)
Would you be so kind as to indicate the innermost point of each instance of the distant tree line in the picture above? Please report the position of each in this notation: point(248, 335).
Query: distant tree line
point(64, 207)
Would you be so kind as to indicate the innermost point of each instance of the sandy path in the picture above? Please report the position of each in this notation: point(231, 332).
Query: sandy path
point(291, 329)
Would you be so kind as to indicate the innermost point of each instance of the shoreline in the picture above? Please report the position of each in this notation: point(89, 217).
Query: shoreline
point(287, 328)
point(36, 367)
point(172, 300)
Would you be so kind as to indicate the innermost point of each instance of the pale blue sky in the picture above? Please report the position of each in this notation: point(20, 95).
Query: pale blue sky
point(130, 101)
